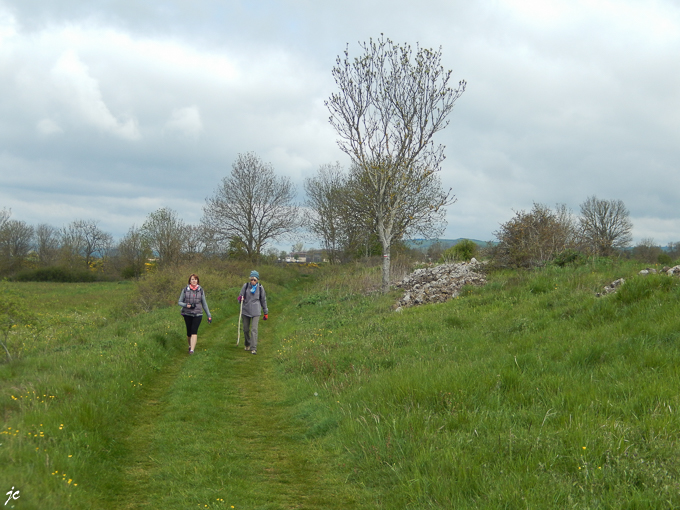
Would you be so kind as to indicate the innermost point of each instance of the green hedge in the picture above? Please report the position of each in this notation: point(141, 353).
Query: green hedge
point(55, 274)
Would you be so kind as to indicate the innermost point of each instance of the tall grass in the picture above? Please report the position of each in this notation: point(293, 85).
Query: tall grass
point(65, 394)
point(528, 393)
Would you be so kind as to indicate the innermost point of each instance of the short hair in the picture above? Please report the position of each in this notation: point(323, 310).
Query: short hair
point(194, 275)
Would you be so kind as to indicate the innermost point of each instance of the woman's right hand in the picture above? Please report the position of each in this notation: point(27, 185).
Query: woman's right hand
point(240, 298)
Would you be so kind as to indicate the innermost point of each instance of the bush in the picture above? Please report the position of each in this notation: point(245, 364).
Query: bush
point(569, 256)
point(463, 250)
point(55, 274)
point(534, 238)
point(665, 259)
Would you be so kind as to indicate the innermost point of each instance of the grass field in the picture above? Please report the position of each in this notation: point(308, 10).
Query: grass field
point(527, 393)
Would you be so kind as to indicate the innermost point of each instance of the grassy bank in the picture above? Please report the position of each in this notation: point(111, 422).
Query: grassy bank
point(528, 393)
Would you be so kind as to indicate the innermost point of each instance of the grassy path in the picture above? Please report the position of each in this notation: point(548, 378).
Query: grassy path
point(214, 430)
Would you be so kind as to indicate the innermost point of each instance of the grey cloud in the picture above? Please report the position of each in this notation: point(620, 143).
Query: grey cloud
point(164, 94)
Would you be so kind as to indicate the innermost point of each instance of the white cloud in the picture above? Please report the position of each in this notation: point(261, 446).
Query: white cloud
point(81, 91)
point(8, 28)
point(186, 122)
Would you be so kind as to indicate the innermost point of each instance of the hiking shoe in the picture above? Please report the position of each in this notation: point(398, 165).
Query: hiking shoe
point(190, 351)
point(246, 348)
point(254, 351)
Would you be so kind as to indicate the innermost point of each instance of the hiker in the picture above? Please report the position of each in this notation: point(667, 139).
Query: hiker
point(253, 303)
point(193, 303)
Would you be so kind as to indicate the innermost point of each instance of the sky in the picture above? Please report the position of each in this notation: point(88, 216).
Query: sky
point(112, 109)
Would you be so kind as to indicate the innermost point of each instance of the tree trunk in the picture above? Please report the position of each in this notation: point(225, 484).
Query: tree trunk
point(386, 269)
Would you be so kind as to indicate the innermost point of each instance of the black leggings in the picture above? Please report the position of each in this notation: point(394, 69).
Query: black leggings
point(192, 321)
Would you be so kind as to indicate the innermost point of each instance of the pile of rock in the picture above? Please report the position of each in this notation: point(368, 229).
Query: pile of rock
point(668, 270)
point(611, 288)
point(439, 283)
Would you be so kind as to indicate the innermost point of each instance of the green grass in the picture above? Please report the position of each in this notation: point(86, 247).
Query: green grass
point(530, 392)
point(527, 393)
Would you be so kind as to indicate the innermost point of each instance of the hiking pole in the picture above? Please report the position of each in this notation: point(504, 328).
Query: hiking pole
point(240, 312)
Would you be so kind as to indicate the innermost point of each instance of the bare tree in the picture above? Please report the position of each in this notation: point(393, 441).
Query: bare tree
point(134, 252)
point(194, 240)
point(164, 232)
point(325, 197)
point(4, 216)
point(647, 250)
point(605, 225)
point(46, 244)
point(84, 240)
point(95, 242)
point(673, 249)
point(71, 245)
point(16, 239)
point(389, 106)
point(252, 206)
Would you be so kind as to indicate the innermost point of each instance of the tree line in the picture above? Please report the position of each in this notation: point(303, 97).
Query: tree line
point(249, 210)
point(542, 235)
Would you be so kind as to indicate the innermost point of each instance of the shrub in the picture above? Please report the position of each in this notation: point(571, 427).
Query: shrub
point(534, 238)
point(55, 274)
point(568, 256)
point(463, 250)
point(665, 259)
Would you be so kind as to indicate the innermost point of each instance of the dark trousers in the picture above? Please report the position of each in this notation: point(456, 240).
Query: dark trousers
point(192, 322)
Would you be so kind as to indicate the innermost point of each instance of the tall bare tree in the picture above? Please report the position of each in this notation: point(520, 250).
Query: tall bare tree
point(83, 240)
point(195, 241)
point(46, 244)
point(605, 225)
point(16, 240)
point(252, 205)
point(95, 242)
point(4, 216)
point(325, 201)
point(390, 104)
point(164, 232)
point(133, 252)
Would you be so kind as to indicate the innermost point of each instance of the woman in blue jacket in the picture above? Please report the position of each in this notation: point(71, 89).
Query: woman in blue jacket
point(254, 304)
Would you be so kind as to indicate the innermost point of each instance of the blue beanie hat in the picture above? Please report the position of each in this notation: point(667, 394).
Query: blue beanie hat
point(255, 274)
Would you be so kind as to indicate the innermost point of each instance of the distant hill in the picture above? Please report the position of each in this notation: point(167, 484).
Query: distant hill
point(424, 244)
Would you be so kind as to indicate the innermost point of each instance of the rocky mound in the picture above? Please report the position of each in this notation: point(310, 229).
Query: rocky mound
point(611, 288)
point(668, 270)
point(439, 283)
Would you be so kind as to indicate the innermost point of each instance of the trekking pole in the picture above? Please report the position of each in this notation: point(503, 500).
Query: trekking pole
point(240, 312)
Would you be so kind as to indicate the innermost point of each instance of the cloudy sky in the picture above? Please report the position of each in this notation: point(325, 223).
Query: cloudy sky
point(111, 109)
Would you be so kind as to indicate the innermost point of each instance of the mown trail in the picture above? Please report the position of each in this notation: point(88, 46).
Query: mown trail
point(214, 430)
